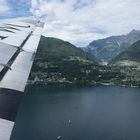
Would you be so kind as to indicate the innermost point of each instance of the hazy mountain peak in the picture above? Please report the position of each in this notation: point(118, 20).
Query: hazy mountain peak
point(134, 32)
point(108, 48)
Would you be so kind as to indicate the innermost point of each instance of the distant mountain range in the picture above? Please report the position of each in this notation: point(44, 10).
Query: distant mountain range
point(104, 50)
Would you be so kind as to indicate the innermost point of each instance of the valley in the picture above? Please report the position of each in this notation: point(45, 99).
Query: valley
point(59, 62)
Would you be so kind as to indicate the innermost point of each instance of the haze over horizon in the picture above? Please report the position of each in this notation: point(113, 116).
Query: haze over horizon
point(77, 21)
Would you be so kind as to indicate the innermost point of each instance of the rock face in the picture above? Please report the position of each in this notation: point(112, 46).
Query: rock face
point(106, 49)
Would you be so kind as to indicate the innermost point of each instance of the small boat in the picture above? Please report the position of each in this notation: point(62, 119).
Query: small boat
point(59, 137)
point(69, 121)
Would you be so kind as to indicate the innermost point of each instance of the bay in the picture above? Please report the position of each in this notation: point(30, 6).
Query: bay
point(79, 113)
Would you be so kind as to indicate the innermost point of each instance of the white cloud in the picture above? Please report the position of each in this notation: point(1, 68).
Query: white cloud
point(81, 21)
point(4, 8)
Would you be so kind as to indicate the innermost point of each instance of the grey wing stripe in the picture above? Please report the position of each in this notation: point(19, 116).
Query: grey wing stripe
point(9, 103)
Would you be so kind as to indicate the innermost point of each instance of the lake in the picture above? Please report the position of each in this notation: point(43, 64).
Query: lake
point(84, 113)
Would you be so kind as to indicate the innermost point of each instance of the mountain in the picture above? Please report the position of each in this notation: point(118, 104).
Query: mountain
point(130, 56)
point(58, 61)
point(106, 49)
point(129, 64)
point(54, 50)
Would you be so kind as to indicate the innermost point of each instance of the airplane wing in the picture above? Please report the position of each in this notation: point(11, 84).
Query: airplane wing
point(18, 45)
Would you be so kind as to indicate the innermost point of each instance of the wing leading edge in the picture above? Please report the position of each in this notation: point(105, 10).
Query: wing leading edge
point(17, 52)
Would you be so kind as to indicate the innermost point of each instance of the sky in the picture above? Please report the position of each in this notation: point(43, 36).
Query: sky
point(78, 21)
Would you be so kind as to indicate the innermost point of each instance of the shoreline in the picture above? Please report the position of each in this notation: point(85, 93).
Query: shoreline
point(84, 84)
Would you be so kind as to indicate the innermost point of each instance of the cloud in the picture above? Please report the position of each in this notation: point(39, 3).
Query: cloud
point(78, 21)
point(19, 8)
point(4, 8)
point(81, 21)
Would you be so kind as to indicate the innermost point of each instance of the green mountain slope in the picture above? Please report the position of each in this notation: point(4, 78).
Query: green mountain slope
point(52, 49)
point(131, 54)
point(58, 61)
point(129, 64)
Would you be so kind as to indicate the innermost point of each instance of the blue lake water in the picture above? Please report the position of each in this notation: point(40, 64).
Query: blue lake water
point(98, 113)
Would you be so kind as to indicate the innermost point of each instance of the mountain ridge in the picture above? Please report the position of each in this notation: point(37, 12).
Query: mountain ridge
point(108, 48)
